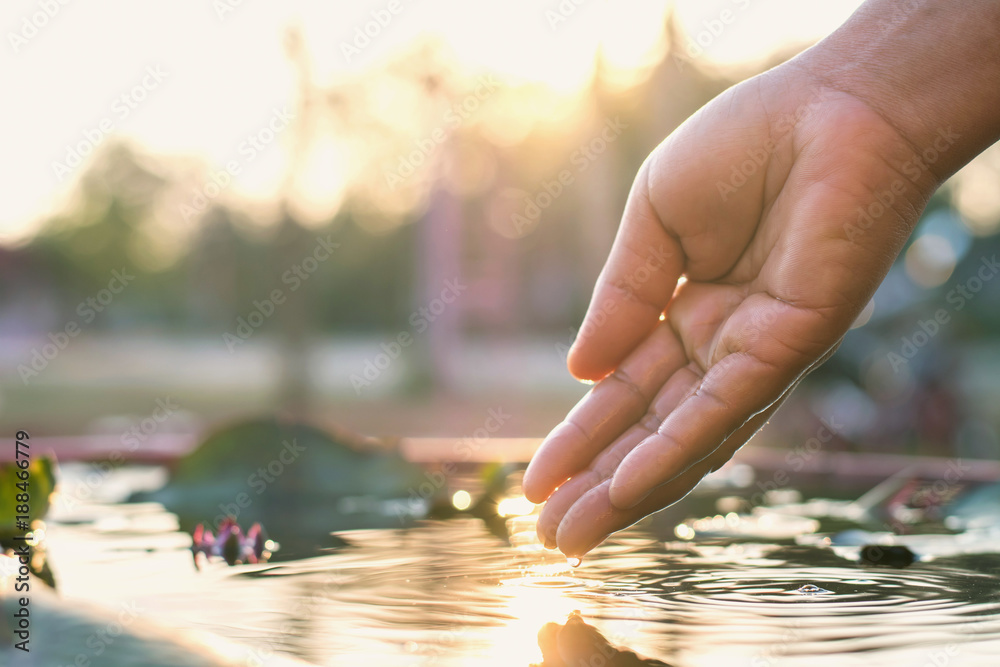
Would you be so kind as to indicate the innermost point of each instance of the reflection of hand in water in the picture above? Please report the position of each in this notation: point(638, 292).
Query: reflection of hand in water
point(576, 644)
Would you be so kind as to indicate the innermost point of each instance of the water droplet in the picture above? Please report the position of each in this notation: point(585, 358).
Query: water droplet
point(573, 561)
point(811, 589)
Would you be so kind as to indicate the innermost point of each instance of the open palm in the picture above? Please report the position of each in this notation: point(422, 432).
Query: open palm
point(741, 261)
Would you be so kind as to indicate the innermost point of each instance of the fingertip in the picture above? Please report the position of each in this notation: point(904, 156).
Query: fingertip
point(623, 492)
point(541, 478)
point(536, 484)
point(547, 536)
point(587, 523)
point(535, 496)
point(584, 367)
point(533, 488)
point(552, 464)
point(572, 549)
point(600, 348)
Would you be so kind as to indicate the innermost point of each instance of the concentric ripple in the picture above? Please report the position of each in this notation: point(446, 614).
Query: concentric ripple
point(455, 593)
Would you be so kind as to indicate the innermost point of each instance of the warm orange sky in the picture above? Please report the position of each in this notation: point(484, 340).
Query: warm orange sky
point(210, 73)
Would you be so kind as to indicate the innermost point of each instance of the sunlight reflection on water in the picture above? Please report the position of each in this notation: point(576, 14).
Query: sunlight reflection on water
point(450, 593)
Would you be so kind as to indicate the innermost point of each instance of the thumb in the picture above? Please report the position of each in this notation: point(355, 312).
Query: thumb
point(632, 291)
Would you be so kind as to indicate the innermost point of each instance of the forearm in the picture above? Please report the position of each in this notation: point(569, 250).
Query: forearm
point(927, 66)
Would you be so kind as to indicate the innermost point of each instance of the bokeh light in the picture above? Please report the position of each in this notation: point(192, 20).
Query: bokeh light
point(977, 193)
point(461, 500)
point(930, 260)
point(515, 506)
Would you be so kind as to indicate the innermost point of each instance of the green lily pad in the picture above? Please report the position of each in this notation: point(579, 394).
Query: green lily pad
point(299, 481)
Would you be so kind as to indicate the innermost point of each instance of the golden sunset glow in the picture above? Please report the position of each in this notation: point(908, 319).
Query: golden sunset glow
point(521, 42)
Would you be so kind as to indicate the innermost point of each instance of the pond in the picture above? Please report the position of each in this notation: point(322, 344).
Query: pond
point(453, 592)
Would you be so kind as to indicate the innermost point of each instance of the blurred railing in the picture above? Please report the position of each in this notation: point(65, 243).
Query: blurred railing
point(160, 449)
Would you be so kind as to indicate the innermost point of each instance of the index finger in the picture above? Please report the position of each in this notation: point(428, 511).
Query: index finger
point(632, 291)
point(612, 406)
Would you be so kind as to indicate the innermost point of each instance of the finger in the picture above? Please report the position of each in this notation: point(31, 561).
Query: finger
point(752, 367)
point(698, 311)
point(605, 464)
point(675, 199)
point(632, 291)
point(593, 518)
point(566, 495)
point(614, 404)
point(577, 533)
point(680, 385)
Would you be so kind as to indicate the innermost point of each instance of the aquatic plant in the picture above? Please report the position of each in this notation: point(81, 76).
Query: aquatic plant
point(40, 483)
point(301, 481)
point(37, 486)
point(231, 544)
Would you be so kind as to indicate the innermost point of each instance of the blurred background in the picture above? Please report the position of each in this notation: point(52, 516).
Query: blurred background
point(389, 216)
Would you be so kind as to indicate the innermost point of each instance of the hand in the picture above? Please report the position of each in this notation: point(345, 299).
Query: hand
point(756, 202)
point(576, 643)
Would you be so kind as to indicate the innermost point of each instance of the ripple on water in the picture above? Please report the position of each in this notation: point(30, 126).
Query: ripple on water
point(453, 593)
point(883, 611)
point(567, 583)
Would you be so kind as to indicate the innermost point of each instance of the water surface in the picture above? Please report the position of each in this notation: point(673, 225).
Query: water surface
point(451, 593)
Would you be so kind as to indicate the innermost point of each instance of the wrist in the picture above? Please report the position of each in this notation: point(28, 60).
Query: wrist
point(929, 68)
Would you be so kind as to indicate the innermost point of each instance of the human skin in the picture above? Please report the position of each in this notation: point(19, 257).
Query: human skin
point(846, 144)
